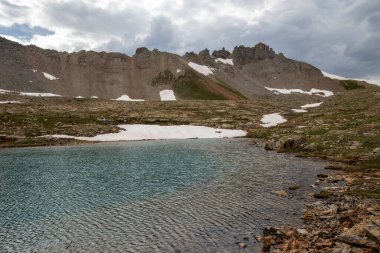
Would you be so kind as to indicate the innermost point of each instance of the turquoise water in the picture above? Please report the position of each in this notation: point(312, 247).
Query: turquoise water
point(151, 196)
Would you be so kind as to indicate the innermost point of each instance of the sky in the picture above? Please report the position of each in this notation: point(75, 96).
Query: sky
point(338, 36)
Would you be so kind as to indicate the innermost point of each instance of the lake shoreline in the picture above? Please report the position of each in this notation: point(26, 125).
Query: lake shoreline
point(222, 204)
point(305, 234)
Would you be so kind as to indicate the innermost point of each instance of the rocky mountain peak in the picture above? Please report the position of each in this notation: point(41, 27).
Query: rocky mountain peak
point(204, 53)
point(224, 54)
point(142, 50)
point(245, 55)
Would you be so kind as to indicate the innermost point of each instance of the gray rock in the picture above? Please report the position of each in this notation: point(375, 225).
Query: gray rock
point(376, 151)
point(245, 55)
point(224, 54)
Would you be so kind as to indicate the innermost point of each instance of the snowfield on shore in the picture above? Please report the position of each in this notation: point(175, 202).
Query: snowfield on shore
point(156, 132)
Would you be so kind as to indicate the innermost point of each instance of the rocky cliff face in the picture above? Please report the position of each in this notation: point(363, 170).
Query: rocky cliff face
point(241, 74)
point(245, 55)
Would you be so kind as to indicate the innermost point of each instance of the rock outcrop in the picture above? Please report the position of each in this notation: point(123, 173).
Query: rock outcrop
point(223, 54)
point(245, 55)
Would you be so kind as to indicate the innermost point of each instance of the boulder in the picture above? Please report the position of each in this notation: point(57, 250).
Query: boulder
point(366, 234)
point(281, 193)
point(294, 143)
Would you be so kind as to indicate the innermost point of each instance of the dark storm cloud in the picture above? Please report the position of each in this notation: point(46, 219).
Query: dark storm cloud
point(24, 31)
point(162, 34)
point(91, 19)
point(340, 37)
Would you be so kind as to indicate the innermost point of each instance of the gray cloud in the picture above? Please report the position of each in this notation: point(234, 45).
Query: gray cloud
point(86, 19)
point(11, 11)
point(24, 31)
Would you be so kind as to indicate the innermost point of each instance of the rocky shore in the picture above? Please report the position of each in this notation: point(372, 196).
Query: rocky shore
point(333, 220)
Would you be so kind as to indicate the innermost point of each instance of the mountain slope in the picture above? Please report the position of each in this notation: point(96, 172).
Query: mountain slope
point(242, 74)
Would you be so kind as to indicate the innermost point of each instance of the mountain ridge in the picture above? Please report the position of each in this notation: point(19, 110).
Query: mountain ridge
point(241, 74)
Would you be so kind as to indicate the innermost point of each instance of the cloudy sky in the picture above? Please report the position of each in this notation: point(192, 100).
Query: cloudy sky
point(339, 36)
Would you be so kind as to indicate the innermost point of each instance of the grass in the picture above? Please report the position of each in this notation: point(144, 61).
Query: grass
point(367, 193)
point(351, 85)
point(190, 86)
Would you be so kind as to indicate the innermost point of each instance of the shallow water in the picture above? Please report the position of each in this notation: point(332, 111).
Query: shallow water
point(151, 196)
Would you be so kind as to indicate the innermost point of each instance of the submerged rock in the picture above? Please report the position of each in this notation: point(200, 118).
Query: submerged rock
point(281, 193)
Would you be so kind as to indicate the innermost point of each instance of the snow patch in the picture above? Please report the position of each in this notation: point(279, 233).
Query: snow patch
point(270, 120)
point(299, 110)
point(204, 70)
point(332, 76)
point(49, 76)
point(156, 132)
point(313, 91)
point(4, 91)
point(167, 95)
point(34, 94)
point(30, 93)
point(311, 105)
point(178, 71)
point(128, 99)
point(34, 70)
point(94, 97)
point(225, 61)
point(368, 79)
point(10, 102)
point(79, 97)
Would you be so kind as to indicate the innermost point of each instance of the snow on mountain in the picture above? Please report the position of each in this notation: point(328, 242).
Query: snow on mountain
point(311, 105)
point(299, 110)
point(313, 91)
point(368, 80)
point(127, 99)
point(167, 95)
point(204, 70)
point(10, 102)
point(49, 76)
point(4, 91)
point(35, 94)
point(225, 61)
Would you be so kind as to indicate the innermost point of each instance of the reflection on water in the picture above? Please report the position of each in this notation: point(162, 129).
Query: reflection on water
point(152, 196)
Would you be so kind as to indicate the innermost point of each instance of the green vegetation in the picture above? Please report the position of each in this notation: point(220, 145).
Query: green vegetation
point(293, 187)
point(351, 85)
point(165, 77)
point(368, 193)
point(322, 195)
point(190, 86)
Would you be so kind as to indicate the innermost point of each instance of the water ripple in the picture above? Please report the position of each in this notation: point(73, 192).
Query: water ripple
point(163, 196)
